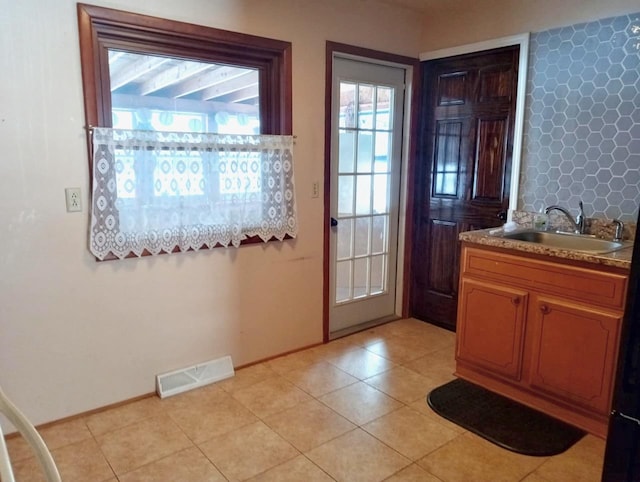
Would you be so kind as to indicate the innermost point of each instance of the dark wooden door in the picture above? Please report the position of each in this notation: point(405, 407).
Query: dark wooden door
point(463, 174)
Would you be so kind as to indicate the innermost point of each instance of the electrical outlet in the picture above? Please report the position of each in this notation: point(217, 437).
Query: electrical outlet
point(72, 195)
point(315, 189)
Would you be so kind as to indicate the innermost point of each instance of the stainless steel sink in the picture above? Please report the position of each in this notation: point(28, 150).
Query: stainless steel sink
point(578, 242)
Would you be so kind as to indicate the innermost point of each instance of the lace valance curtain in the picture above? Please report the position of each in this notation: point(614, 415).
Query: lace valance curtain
point(158, 191)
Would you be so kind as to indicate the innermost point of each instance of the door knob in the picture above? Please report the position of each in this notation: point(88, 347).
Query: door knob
point(334, 222)
point(502, 215)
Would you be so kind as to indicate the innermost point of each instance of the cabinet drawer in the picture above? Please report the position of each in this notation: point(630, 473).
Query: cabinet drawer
point(603, 288)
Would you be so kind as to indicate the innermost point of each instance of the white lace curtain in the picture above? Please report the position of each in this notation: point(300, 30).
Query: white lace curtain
point(158, 191)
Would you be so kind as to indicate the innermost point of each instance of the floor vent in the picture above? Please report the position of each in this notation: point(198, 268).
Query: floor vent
point(195, 376)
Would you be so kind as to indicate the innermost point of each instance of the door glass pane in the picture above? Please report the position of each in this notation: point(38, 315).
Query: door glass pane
point(343, 280)
point(347, 105)
point(346, 151)
point(360, 277)
point(365, 151)
point(384, 105)
point(345, 238)
point(381, 193)
point(447, 158)
point(365, 106)
point(363, 196)
point(379, 234)
point(378, 274)
point(362, 236)
point(345, 196)
point(382, 152)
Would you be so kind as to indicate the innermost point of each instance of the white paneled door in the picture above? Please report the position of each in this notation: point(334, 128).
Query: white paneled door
point(366, 152)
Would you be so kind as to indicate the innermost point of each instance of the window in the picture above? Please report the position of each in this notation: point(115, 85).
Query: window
point(143, 73)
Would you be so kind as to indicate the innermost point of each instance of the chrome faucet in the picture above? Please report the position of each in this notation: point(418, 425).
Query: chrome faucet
point(579, 224)
point(619, 230)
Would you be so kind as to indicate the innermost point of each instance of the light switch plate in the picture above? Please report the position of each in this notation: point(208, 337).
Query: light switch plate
point(72, 195)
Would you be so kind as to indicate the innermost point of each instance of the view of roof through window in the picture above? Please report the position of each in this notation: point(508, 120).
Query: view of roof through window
point(171, 94)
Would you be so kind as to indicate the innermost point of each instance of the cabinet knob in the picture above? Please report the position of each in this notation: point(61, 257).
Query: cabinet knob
point(515, 300)
point(545, 309)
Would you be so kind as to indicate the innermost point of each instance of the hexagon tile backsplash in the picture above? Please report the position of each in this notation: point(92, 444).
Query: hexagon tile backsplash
point(582, 119)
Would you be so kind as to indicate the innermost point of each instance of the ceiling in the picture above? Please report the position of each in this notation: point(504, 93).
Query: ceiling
point(423, 5)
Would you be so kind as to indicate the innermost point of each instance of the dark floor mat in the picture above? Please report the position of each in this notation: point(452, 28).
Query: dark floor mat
point(502, 421)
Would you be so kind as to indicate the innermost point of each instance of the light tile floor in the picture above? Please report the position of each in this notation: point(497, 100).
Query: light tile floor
point(351, 410)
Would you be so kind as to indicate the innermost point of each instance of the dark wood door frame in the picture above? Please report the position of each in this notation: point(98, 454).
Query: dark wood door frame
point(361, 53)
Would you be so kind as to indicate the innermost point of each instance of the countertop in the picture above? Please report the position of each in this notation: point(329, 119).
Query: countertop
point(616, 259)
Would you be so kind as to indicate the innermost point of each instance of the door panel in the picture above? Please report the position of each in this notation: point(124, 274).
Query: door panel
point(367, 110)
point(490, 159)
point(443, 238)
point(452, 88)
point(496, 84)
point(463, 170)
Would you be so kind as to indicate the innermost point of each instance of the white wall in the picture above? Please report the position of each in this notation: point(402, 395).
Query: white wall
point(76, 334)
point(464, 22)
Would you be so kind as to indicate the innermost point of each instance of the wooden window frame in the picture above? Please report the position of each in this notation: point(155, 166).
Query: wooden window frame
point(101, 29)
point(104, 28)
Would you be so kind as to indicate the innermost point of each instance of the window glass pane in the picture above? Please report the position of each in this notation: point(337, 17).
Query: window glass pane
point(365, 106)
point(360, 277)
point(379, 234)
point(362, 235)
point(384, 102)
point(150, 92)
point(347, 105)
point(383, 151)
point(168, 94)
point(343, 281)
point(365, 151)
point(345, 196)
point(381, 193)
point(346, 151)
point(378, 274)
point(363, 195)
point(122, 119)
point(345, 238)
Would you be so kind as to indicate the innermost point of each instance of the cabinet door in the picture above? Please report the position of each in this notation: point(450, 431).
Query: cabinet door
point(491, 327)
point(574, 352)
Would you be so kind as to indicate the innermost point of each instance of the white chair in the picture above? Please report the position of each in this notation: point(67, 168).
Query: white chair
point(31, 436)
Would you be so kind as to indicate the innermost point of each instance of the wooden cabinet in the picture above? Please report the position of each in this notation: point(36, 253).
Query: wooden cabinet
point(491, 336)
point(542, 332)
point(573, 352)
